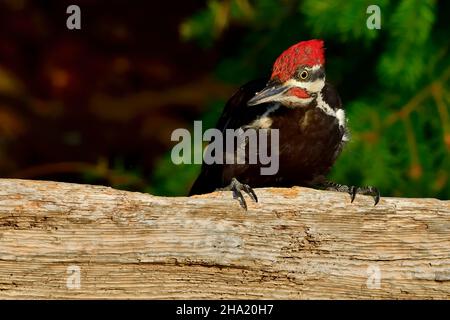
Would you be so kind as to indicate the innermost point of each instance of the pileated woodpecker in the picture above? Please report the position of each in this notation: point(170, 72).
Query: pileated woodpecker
point(311, 121)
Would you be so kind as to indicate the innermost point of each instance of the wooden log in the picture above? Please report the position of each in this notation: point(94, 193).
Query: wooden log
point(60, 240)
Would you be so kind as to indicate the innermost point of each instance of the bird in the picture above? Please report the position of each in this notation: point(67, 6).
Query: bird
point(308, 113)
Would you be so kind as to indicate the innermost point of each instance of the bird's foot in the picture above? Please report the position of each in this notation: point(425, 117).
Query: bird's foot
point(237, 189)
point(353, 191)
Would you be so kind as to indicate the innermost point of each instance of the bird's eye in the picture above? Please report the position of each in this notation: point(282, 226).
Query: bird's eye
point(304, 74)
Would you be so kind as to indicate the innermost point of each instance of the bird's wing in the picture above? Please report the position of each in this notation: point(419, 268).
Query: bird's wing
point(235, 114)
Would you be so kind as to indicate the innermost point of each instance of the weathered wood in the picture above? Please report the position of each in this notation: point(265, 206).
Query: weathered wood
point(296, 243)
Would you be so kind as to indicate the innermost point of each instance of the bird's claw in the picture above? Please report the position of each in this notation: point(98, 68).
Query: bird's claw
point(237, 188)
point(353, 191)
point(370, 191)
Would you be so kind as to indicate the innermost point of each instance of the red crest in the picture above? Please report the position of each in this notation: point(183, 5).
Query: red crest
point(307, 53)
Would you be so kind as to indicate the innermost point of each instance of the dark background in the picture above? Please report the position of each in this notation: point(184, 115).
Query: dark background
point(98, 105)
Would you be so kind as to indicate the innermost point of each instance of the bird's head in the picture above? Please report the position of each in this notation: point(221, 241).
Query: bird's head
point(298, 76)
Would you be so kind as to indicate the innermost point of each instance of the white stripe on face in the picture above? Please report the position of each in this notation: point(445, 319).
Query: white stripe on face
point(309, 86)
point(315, 67)
point(314, 86)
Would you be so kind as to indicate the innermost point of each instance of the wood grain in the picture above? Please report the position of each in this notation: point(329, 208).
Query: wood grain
point(295, 243)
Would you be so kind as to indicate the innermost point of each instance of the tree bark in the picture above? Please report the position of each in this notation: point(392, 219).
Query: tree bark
point(295, 243)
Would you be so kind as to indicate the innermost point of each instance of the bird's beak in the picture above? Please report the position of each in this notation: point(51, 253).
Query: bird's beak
point(269, 94)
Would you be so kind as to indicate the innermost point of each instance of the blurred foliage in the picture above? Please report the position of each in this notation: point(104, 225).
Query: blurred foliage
point(96, 105)
point(394, 82)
